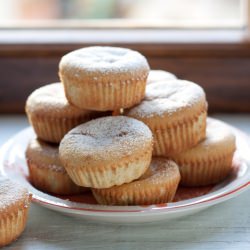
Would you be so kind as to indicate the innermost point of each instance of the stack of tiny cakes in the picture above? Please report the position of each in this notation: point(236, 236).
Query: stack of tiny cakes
point(161, 139)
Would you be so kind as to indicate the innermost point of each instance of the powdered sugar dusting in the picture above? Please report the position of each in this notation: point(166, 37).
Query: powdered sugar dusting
point(44, 155)
point(160, 168)
point(11, 193)
point(104, 60)
point(217, 132)
point(108, 138)
point(51, 98)
point(159, 75)
point(167, 98)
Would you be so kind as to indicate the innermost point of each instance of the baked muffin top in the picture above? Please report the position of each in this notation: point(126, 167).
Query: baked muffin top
point(107, 139)
point(169, 98)
point(12, 196)
point(50, 100)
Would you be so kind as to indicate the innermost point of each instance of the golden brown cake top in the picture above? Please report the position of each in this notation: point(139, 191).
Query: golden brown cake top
point(12, 196)
point(50, 100)
point(159, 170)
point(167, 98)
point(44, 154)
point(158, 75)
point(101, 61)
point(107, 139)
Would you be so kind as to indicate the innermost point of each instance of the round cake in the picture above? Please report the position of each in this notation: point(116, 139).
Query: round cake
point(107, 151)
point(104, 78)
point(14, 207)
point(46, 171)
point(51, 115)
point(211, 160)
point(175, 111)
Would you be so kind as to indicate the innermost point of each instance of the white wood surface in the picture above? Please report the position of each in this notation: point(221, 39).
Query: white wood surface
point(225, 226)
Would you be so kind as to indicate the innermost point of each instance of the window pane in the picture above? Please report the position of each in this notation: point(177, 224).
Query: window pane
point(176, 13)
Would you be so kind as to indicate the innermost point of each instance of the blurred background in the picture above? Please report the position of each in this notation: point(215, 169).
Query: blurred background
point(205, 41)
point(191, 13)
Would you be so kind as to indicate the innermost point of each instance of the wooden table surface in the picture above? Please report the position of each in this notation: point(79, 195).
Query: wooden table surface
point(224, 226)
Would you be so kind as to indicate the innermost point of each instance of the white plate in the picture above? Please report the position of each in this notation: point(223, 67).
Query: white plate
point(13, 165)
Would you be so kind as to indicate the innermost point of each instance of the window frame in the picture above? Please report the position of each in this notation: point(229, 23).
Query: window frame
point(217, 59)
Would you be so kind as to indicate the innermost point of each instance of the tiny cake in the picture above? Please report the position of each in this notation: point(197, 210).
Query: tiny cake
point(175, 111)
point(14, 207)
point(51, 115)
point(104, 78)
point(158, 185)
point(46, 171)
point(211, 160)
point(107, 151)
point(157, 75)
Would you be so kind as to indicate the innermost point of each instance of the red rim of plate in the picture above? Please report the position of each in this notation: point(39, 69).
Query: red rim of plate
point(150, 208)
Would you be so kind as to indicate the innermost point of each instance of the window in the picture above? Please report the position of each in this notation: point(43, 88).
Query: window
point(145, 13)
point(205, 41)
